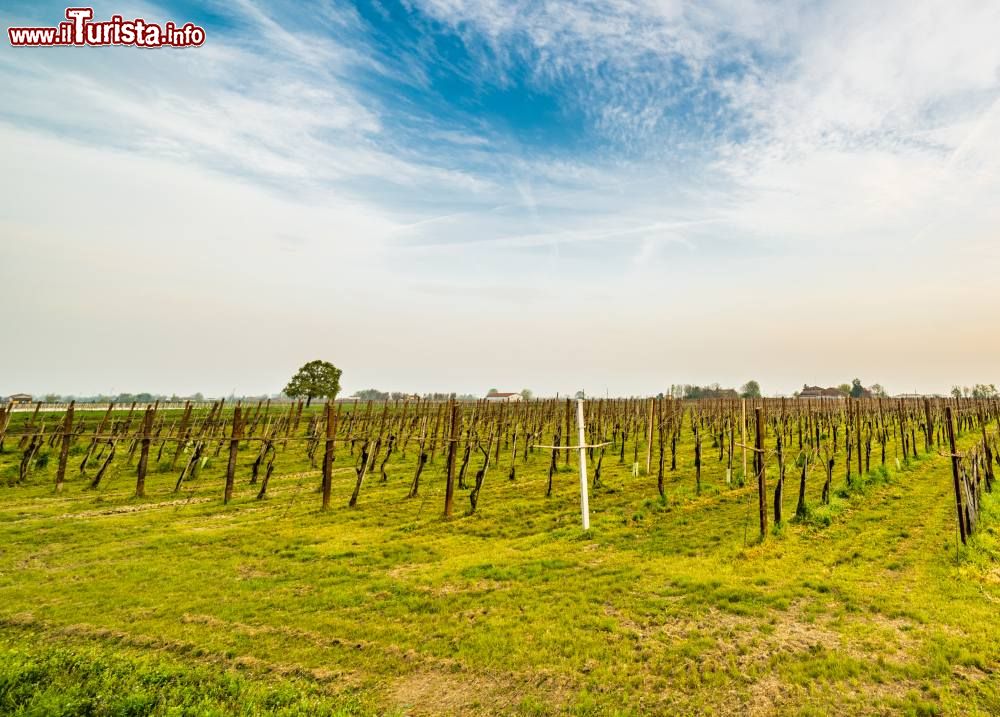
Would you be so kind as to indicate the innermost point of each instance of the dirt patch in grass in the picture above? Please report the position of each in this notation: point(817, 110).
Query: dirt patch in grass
point(433, 692)
point(770, 695)
point(765, 697)
point(249, 572)
point(476, 586)
point(247, 629)
point(752, 641)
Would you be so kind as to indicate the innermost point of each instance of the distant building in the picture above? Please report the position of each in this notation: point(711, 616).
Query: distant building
point(505, 397)
point(818, 392)
point(19, 398)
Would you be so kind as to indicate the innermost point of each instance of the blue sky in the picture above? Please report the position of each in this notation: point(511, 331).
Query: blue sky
point(453, 195)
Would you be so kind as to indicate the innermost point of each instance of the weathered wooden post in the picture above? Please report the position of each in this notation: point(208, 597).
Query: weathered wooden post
point(857, 436)
point(649, 436)
point(759, 468)
point(5, 414)
point(234, 447)
point(983, 419)
point(928, 425)
point(659, 431)
point(147, 430)
point(697, 460)
point(453, 435)
point(568, 434)
point(67, 433)
point(800, 508)
point(955, 469)
point(743, 437)
point(779, 486)
point(331, 432)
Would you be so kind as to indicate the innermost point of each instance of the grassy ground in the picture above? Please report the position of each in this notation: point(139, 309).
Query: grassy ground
point(176, 604)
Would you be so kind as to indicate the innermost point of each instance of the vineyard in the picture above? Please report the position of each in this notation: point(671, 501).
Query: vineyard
point(420, 557)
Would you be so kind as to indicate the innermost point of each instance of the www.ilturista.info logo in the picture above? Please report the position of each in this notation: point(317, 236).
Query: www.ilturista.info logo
point(80, 30)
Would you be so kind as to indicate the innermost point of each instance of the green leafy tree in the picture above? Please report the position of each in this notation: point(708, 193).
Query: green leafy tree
point(878, 391)
point(857, 390)
point(527, 394)
point(317, 379)
point(956, 391)
point(751, 389)
point(844, 388)
point(492, 392)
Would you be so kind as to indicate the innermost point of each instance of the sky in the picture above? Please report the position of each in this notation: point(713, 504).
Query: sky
point(455, 195)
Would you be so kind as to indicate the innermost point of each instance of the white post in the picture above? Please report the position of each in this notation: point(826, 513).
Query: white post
point(584, 502)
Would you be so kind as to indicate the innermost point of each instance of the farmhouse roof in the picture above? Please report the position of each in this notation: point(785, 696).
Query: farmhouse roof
point(819, 392)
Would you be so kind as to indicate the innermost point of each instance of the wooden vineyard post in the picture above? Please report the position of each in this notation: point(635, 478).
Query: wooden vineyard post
point(697, 459)
point(568, 410)
point(955, 460)
point(331, 432)
point(584, 498)
point(234, 446)
point(659, 430)
point(5, 414)
point(147, 430)
point(928, 426)
point(759, 468)
point(983, 419)
point(649, 437)
point(743, 436)
point(67, 433)
point(453, 434)
point(857, 436)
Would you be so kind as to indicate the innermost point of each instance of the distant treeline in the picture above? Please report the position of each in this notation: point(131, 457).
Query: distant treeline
point(373, 394)
point(751, 389)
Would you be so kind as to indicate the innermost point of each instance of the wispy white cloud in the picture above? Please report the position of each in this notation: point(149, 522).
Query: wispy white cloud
point(272, 103)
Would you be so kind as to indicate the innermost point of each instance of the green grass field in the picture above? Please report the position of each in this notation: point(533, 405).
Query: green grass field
point(177, 604)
